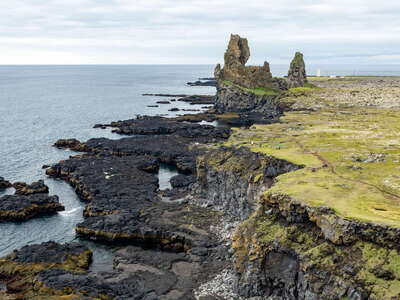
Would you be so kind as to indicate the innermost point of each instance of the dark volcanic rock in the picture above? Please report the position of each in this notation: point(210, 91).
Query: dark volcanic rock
point(235, 69)
point(198, 99)
point(174, 109)
point(110, 183)
point(158, 226)
point(147, 125)
point(25, 207)
point(20, 268)
point(48, 252)
point(165, 95)
point(72, 144)
point(231, 98)
point(297, 72)
point(94, 287)
point(179, 181)
point(172, 150)
point(123, 203)
point(212, 82)
point(176, 274)
point(163, 102)
point(4, 184)
point(232, 179)
point(22, 188)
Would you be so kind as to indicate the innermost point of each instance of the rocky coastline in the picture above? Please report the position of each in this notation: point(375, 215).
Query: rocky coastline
point(28, 201)
point(264, 211)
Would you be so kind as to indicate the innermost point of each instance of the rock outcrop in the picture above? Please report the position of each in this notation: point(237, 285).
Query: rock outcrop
point(4, 184)
point(28, 201)
point(297, 73)
point(232, 98)
point(244, 88)
point(22, 188)
point(232, 180)
point(235, 69)
point(118, 180)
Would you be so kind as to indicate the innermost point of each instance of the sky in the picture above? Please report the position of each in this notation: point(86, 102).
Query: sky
point(197, 32)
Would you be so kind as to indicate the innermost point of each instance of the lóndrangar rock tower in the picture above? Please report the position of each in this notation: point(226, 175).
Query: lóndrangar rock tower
point(245, 89)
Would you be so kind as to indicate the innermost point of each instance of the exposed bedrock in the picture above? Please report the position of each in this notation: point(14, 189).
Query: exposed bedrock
point(232, 179)
point(204, 82)
point(4, 184)
point(169, 149)
point(232, 98)
point(297, 72)
point(242, 88)
point(28, 201)
point(198, 99)
point(235, 69)
point(294, 260)
point(22, 188)
point(54, 271)
point(299, 252)
point(110, 183)
point(19, 269)
point(117, 180)
point(22, 208)
point(147, 125)
point(289, 250)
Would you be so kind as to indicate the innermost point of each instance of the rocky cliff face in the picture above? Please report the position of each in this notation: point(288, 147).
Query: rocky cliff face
point(232, 179)
point(233, 98)
point(289, 251)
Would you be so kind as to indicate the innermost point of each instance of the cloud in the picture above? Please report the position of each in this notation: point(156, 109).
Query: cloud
point(193, 31)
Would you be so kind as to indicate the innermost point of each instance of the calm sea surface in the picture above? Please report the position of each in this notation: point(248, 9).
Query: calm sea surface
point(40, 104)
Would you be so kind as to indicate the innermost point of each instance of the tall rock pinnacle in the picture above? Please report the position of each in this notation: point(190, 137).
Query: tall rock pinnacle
point(235, 69)
point(297, 72)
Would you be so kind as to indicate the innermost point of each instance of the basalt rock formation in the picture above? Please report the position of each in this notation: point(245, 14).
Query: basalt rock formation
point(22, 188)
point(28, 201)
point(21, 269)
point(4, 184)
point(118, 180)
point(297, 73)
point(235, 69)
point(242, 88)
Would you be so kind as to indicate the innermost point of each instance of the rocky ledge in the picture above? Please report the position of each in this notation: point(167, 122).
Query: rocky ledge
point(146, 125)
point(118, 180)
point(54, 271)
point(4, 184)
point(29, 201)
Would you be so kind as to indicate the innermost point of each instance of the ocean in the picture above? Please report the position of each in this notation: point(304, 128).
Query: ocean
point(41, 104)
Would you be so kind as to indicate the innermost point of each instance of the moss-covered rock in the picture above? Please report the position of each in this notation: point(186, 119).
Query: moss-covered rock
point(21, 268)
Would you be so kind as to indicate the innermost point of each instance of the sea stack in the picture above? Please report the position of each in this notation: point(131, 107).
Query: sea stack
point(253, 89)
point(235, 69)
point(297, 73)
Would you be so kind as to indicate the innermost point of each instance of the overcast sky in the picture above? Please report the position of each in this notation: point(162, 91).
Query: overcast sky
point(194, 31)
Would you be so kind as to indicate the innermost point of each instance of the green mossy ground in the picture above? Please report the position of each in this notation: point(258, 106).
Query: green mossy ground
point(257, 91)
point(351, 154)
